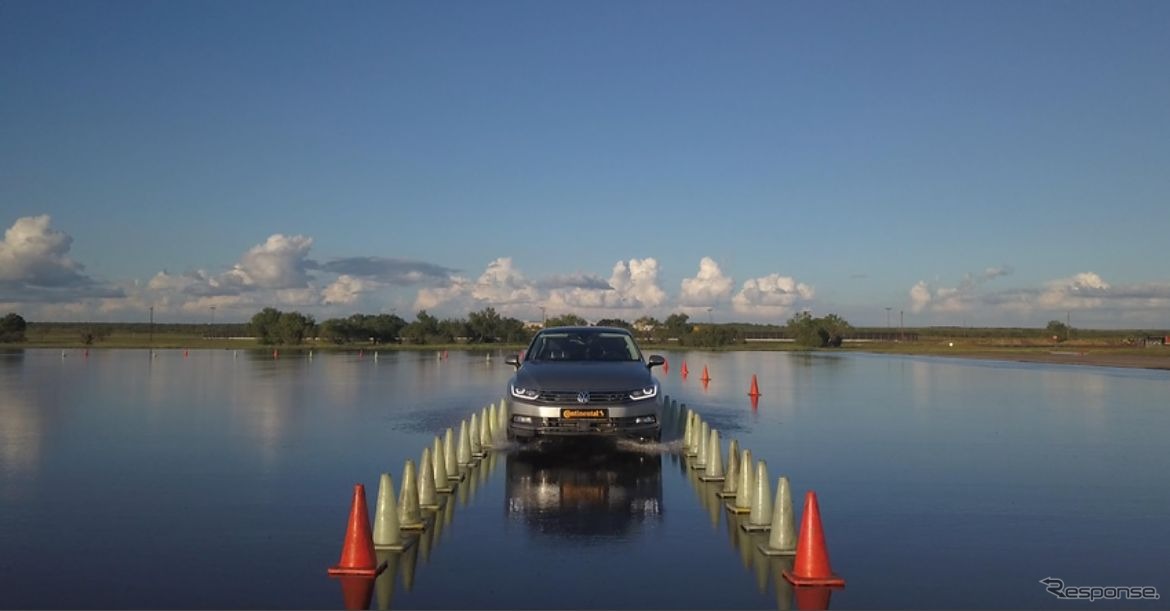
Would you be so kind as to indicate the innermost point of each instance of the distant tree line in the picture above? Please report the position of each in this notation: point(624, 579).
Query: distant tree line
point(272, 326)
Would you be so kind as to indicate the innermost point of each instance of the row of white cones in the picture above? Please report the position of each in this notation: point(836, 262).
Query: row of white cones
point(745, 490)
point(443, 465)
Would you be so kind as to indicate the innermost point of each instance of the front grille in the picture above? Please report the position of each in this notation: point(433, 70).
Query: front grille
point(561, 397)
point(576, 425)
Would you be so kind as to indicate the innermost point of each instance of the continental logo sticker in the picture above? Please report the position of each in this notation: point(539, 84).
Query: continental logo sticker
point(583, 413)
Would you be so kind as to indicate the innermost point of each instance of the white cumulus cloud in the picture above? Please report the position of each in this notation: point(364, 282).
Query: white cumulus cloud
point(501, 285)
point(35, 254)
point(345, 290)
point(1083, 290)
point(708, 287)
point(632, 285)
point(772, 295)
point(281, 262)
point(920, 296)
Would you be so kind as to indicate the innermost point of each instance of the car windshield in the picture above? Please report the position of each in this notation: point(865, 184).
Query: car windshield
point(583, 346)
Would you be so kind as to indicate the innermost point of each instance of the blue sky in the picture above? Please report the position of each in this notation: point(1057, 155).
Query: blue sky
point(979, 163)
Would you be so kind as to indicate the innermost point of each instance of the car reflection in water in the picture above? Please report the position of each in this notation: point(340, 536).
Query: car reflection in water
point(584, 488)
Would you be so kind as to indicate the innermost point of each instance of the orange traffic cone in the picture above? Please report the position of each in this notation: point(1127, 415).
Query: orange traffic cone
point(706, 376)
point(356, 592)
point(276, 354)
point(812, 558)
point(755, 390)
point(684, 371)
point(357, 552)
point(665, 366)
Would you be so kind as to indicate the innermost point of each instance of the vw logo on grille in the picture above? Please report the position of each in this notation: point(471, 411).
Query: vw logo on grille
point(582, 397)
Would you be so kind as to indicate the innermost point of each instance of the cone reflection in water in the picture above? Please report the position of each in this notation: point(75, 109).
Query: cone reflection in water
point(743, 542)
point(464, 491)
point(484, 467)
point(746, 484)
point(811, 567)
point(384, 585)
point(474, 436)
point(356, 592)
point(813, 598)
point(357, 550)
point(386, 530)
point(712, 504)
point(448, 515)
point(760, 517)
point(452, 462)
point(408, 563)
point(426, 540)
point(714, 471)
point(427, 496)
point(783, 588)
point(761, 565)
point(731, 477)
point(755, 402)
point(782, 537)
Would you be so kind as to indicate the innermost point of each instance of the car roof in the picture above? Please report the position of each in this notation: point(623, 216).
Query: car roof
point(586, 330)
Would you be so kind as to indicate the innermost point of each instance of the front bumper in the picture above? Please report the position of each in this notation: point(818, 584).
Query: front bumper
point(620, 421)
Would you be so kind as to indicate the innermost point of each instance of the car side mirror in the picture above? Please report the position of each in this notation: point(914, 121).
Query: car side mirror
point(654, 361)
point(513, 360)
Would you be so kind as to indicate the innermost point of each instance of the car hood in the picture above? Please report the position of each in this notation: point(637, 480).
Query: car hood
point(589, 376)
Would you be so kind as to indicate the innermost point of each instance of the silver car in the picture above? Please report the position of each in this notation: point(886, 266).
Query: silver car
point(584, 381)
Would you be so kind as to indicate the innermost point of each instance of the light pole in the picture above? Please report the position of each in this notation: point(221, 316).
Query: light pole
point(710, 317)
point(152, 327)
point(543, 317)
point(888, 317)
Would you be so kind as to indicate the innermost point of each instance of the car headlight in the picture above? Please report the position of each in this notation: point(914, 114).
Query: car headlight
point(644, 393)
point(524, 393)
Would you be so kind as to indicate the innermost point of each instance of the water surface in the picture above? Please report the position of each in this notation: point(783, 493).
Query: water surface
point(222, 479)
